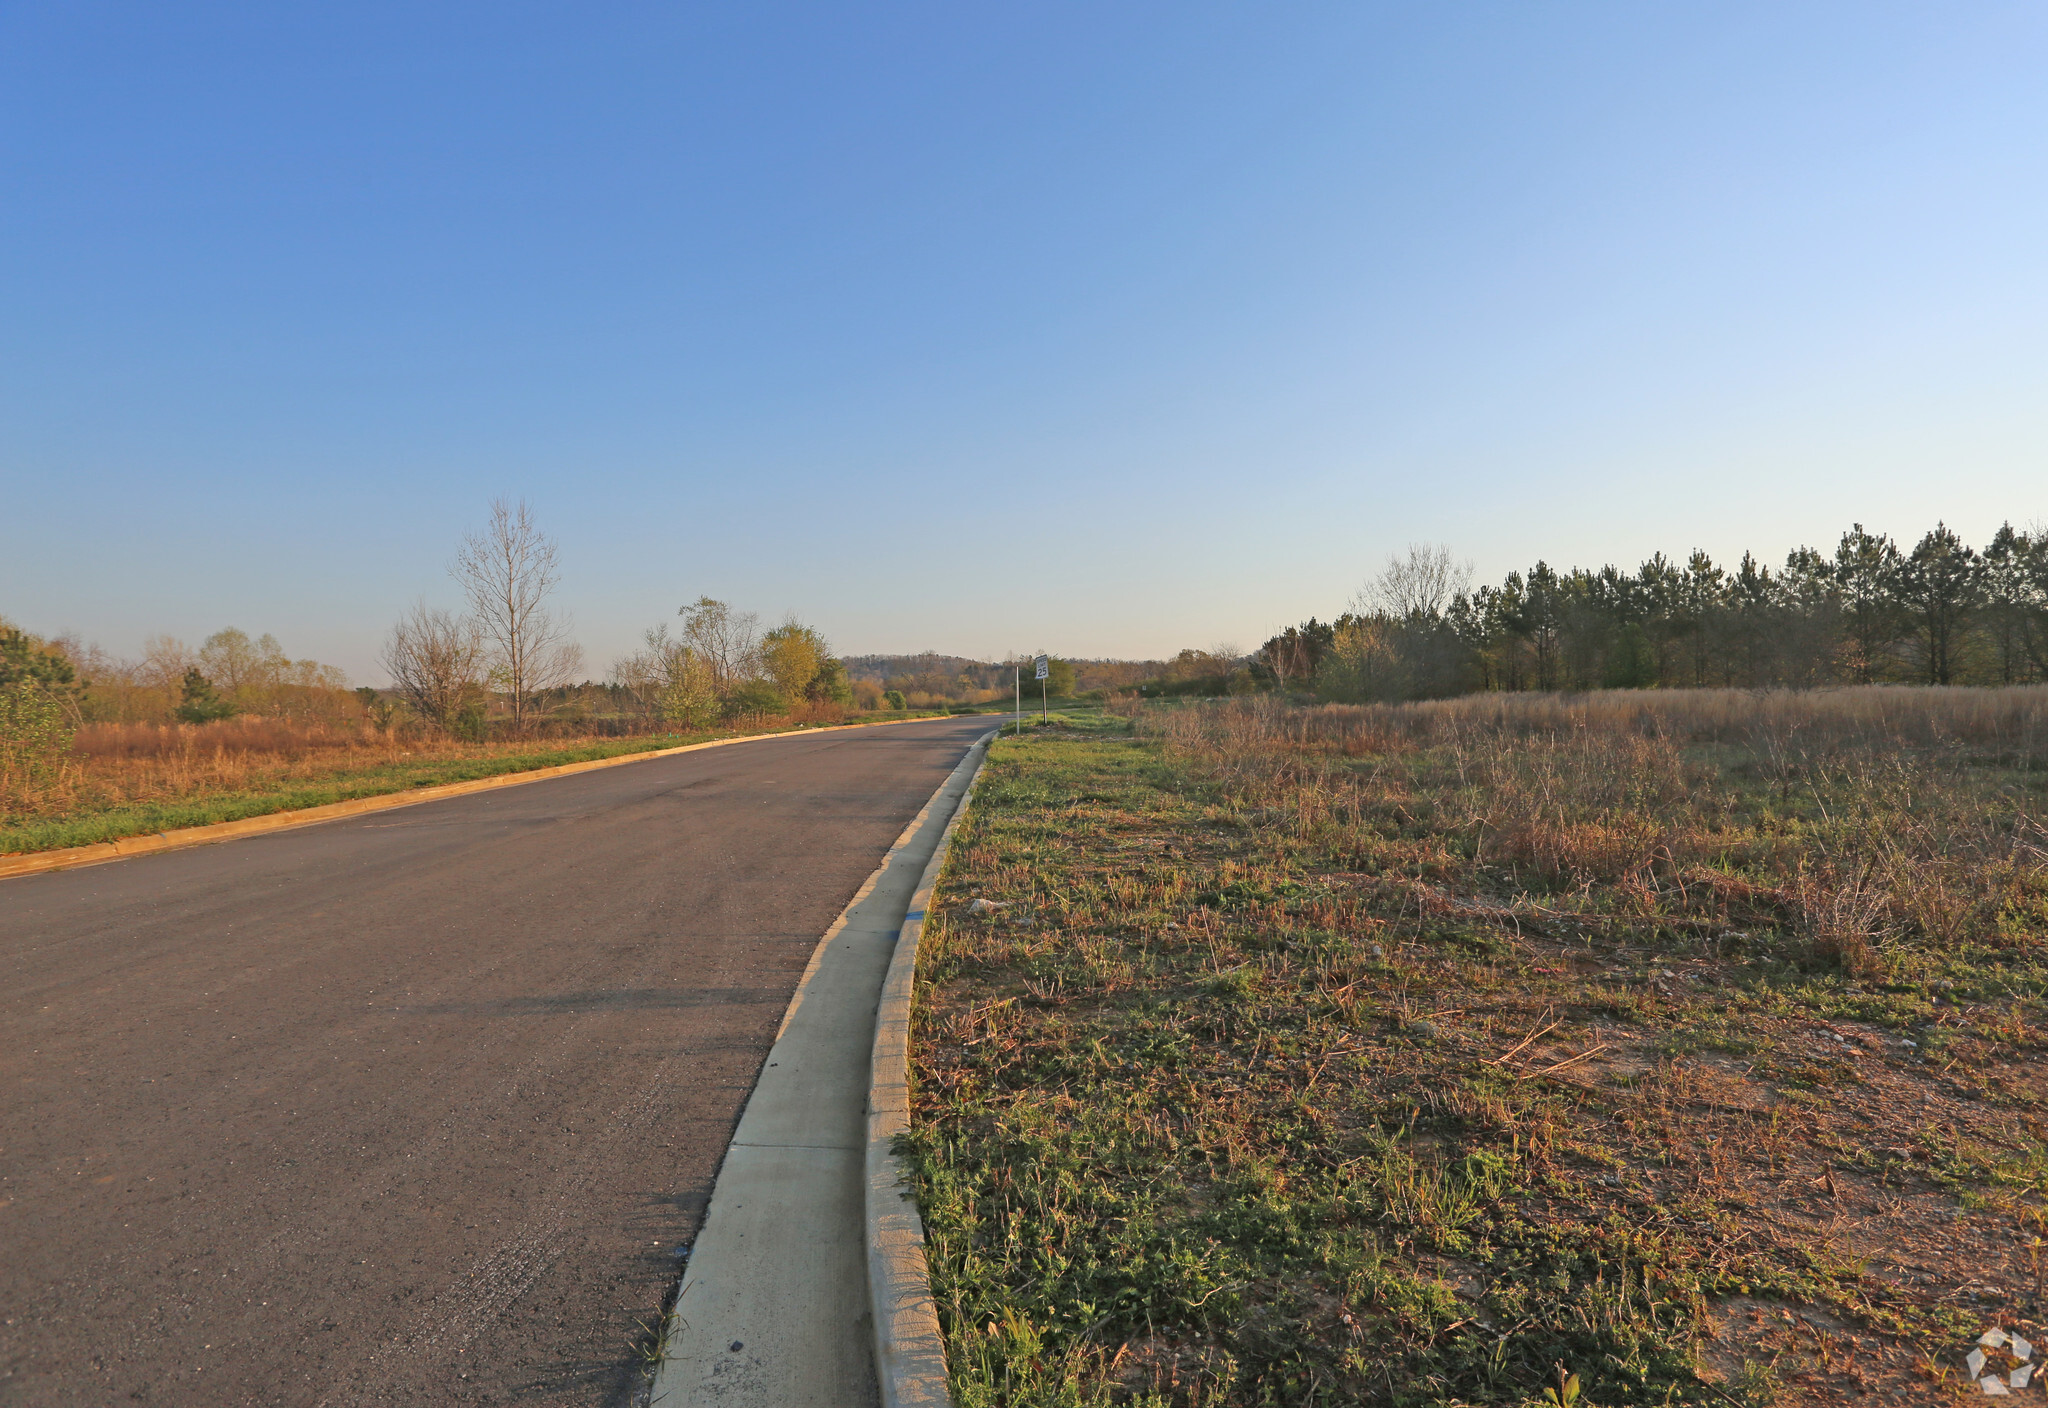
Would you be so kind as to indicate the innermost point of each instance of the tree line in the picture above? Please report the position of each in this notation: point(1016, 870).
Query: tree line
point(929, 678)
point(511, 652)
point(1870, 611)
point(505, 660)
point(228, 674)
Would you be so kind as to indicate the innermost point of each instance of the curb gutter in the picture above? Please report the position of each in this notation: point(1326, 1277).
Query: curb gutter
point(910, 1350)
point(774, 1306)
point(100, 852)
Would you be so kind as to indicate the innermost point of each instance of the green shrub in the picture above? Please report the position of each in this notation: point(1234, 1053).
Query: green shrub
point(380, 711)
point(689, 702)
point(35, 729)
point(471, 719)
point(1058, 682)
point(27, 657)
point(755, 697)
point(1632, 662)
point(894, 699)
point(202, 703)
point(830, 684)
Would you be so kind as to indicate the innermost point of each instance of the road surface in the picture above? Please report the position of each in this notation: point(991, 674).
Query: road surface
point(417, 1107)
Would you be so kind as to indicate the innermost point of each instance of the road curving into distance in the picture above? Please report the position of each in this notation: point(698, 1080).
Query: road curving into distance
point(417, 1107)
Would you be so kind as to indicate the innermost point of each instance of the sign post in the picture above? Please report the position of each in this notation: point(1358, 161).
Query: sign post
point(1043, 666)
point(1017, 682)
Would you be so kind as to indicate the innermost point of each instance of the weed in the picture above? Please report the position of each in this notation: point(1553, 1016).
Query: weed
point(138, 778)
point(1402, 1055)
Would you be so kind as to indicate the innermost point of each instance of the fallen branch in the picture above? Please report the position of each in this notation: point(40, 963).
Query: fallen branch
point(1560, 1065)
point(1505, 1056)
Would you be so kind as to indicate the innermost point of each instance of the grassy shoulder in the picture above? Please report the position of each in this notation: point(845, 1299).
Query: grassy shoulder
point(1285, 1085)
point(294, 785)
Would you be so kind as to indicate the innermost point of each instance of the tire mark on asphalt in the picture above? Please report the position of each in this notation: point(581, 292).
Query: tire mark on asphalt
point(453, 1319)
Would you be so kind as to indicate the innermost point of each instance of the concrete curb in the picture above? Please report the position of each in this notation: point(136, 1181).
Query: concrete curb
point(774, 1309)
point(100, 852)
point(910, 1349)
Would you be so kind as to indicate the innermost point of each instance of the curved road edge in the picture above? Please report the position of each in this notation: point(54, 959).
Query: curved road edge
point(774, 1306)
point(100, 852)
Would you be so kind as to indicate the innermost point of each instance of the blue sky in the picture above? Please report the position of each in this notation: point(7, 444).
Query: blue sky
point(1104, 329)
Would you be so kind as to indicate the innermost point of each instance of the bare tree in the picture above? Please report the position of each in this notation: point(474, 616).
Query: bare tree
point(93, 663)
point(436, 660)
point(229, 659)
point(1418, 586)
point(727, 641)
point(165, 660)
point(669, 677)
point(508, 570)
point(639, 674)
point(244, 670)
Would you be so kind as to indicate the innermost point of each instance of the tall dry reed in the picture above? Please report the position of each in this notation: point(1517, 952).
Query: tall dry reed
point(2012, 721)
point(1865, 821)
point(285, 738)
point(117, 764)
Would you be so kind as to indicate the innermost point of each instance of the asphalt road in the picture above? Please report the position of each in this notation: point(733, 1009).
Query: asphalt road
point(417, 1107)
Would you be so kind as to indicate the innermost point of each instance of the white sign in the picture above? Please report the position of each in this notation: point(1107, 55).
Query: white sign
point(1043, 665)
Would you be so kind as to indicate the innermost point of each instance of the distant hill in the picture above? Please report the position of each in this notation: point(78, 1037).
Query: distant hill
point(882, 668)
point(957, 675)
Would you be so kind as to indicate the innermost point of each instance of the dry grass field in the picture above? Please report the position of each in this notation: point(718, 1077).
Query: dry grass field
point(125, 779)
point(1691, 1043)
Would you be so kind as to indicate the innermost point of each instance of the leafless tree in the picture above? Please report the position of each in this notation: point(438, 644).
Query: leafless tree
point(669, 677)
point(508, 570)
point(93, 663)
point(639, 674)
point(1417, 586)
point(165, 660)
point(727, 641)
point(436, 659)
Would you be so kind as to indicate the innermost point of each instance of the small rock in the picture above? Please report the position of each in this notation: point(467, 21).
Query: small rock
point(1423, 1029)
point(737, 1346)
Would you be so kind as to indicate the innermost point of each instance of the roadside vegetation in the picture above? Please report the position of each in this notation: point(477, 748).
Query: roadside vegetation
point(1653, 1047)
point(136, 780)
point(1870, 612)
point(94, 747)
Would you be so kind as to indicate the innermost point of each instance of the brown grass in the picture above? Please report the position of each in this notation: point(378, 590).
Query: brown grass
point(2012, 720)
point(1862, 819)
point(1398, 1055)
point(114, 765)
point(281, 738)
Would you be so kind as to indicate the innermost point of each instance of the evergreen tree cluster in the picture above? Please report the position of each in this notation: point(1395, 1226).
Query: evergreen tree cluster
point(1870, 612)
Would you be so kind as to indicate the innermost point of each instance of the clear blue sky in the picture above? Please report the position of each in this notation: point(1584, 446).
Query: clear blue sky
point(1100, 328)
